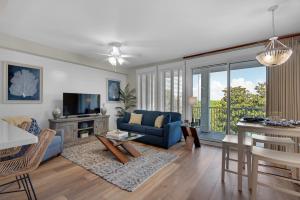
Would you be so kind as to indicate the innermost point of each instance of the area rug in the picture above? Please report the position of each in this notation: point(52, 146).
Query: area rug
point(130, 176)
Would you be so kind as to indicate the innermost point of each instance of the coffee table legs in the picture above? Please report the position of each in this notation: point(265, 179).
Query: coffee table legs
point(117, 152)
point(130, 149)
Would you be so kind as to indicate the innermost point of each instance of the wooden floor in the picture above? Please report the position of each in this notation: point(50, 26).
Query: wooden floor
point(194, 175)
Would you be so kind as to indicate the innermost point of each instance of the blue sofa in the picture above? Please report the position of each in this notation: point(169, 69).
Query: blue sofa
point(56, 147)
point(164, 137)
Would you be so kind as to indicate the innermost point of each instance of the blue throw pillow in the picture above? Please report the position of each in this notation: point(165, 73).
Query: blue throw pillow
point(167, 118)
point(34, 128)
point(126, 117)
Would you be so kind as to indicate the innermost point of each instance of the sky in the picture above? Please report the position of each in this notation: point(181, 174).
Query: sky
point(248, 78)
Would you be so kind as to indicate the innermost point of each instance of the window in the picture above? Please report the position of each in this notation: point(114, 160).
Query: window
point(161, 88)
point(146, 89)
point(171, 89)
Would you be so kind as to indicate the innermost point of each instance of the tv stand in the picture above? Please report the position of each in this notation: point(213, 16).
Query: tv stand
point(77, 127)
point(83, 116)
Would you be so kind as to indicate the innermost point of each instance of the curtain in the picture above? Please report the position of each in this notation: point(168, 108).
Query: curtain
point(283, 85)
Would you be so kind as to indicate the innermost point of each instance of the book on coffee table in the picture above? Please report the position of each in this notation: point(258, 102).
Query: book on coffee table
point(117, 134)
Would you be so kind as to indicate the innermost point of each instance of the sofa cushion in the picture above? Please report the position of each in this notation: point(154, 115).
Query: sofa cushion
point(148, 116)
point(154, 131)
point(126, 117)
point(125, 126)
point(138, 128)
point(175, 116)
point(167, 118)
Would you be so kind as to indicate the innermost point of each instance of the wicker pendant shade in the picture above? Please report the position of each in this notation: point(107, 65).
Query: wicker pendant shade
point(275, 53)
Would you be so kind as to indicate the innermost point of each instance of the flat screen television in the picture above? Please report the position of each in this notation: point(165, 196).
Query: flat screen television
point(75, 104)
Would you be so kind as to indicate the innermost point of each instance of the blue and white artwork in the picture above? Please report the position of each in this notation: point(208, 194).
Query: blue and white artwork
point(113, 90)
point(23, 83)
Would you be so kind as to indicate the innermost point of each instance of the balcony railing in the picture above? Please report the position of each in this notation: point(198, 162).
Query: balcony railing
point(218, 116)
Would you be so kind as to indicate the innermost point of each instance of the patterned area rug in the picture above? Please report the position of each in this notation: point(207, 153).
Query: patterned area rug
point(130, 176)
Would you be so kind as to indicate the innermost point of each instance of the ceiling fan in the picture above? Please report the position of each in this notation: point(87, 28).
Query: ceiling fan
point(115, 55)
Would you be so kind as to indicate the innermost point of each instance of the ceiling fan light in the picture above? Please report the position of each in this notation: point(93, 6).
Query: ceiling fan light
point(120, 60)
point(115, 51)
point(112, 61)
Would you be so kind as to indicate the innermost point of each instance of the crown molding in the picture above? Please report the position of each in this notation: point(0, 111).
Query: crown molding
point(33, 48)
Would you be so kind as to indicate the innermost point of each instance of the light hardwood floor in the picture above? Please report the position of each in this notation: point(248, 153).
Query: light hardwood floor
point(194, 175)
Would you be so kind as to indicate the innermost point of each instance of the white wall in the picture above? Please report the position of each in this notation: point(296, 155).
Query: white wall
point(59, 77)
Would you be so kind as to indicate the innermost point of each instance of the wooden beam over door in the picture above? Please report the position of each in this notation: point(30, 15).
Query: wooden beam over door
point(237, 46)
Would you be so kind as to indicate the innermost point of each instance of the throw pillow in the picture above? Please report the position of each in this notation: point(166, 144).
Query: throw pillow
point(34, 128)
point(159, 121)
point(136, 118)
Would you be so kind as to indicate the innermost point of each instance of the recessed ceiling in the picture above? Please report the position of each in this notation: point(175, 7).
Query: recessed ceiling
point(154, 30)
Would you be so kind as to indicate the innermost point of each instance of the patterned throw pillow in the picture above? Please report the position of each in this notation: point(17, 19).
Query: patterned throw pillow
point(159, 121)
point(136, 118)
point(34, 128)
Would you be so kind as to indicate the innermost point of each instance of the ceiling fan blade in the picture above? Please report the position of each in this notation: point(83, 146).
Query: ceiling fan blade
point(127, 56)
point(103, 54)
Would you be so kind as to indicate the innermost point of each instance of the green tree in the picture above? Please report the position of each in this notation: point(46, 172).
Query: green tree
point(243, 103)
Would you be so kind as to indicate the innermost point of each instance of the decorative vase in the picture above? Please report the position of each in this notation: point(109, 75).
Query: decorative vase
point(103, 110)
point(56, 113)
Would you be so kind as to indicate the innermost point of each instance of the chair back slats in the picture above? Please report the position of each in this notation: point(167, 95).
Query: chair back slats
point(31, 159)
point(36, 152)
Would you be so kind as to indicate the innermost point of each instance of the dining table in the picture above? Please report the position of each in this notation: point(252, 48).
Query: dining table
point(260, 128)
point(13, 136)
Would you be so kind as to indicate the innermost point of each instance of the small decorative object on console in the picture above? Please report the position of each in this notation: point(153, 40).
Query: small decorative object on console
point(103, 110)
point(56, 113)
point(84, 134)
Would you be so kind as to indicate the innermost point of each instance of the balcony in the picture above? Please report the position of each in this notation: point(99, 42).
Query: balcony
point(218, 120)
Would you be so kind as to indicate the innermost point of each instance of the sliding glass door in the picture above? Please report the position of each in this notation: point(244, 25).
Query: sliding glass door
point(226, 93)
point(247, 91)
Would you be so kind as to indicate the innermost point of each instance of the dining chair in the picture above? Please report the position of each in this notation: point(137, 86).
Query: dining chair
point(276, 157)
point(20, 167)
point(231, 142)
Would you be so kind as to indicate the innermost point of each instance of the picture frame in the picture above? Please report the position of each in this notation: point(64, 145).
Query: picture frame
point(23, 83)
point(113, 90)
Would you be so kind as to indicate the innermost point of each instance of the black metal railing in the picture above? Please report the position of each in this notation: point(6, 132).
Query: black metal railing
point(218, 116)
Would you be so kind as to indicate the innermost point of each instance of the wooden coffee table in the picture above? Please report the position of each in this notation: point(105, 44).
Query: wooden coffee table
point(113, 146)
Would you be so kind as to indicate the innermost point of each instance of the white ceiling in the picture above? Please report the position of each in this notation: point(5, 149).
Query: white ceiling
point(154, 30)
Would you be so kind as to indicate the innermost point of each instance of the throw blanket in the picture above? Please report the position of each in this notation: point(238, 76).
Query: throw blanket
point(17, 120)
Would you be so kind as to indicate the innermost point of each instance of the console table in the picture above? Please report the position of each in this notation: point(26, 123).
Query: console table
point(74, 126)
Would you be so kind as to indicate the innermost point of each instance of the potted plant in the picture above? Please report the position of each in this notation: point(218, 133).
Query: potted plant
point(128, 99)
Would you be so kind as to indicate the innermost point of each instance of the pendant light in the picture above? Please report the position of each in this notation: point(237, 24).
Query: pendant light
point(275, 52)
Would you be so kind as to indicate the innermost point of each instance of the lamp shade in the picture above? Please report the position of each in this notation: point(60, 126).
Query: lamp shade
point(275, 53)
point(192, 101)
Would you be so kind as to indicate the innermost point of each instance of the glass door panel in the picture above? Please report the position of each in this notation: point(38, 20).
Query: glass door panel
point(218, 100)
point(247, 91)
point(196, 110)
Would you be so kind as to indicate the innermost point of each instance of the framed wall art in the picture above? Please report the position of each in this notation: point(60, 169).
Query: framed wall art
point(113, 90)
point(22, 83)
